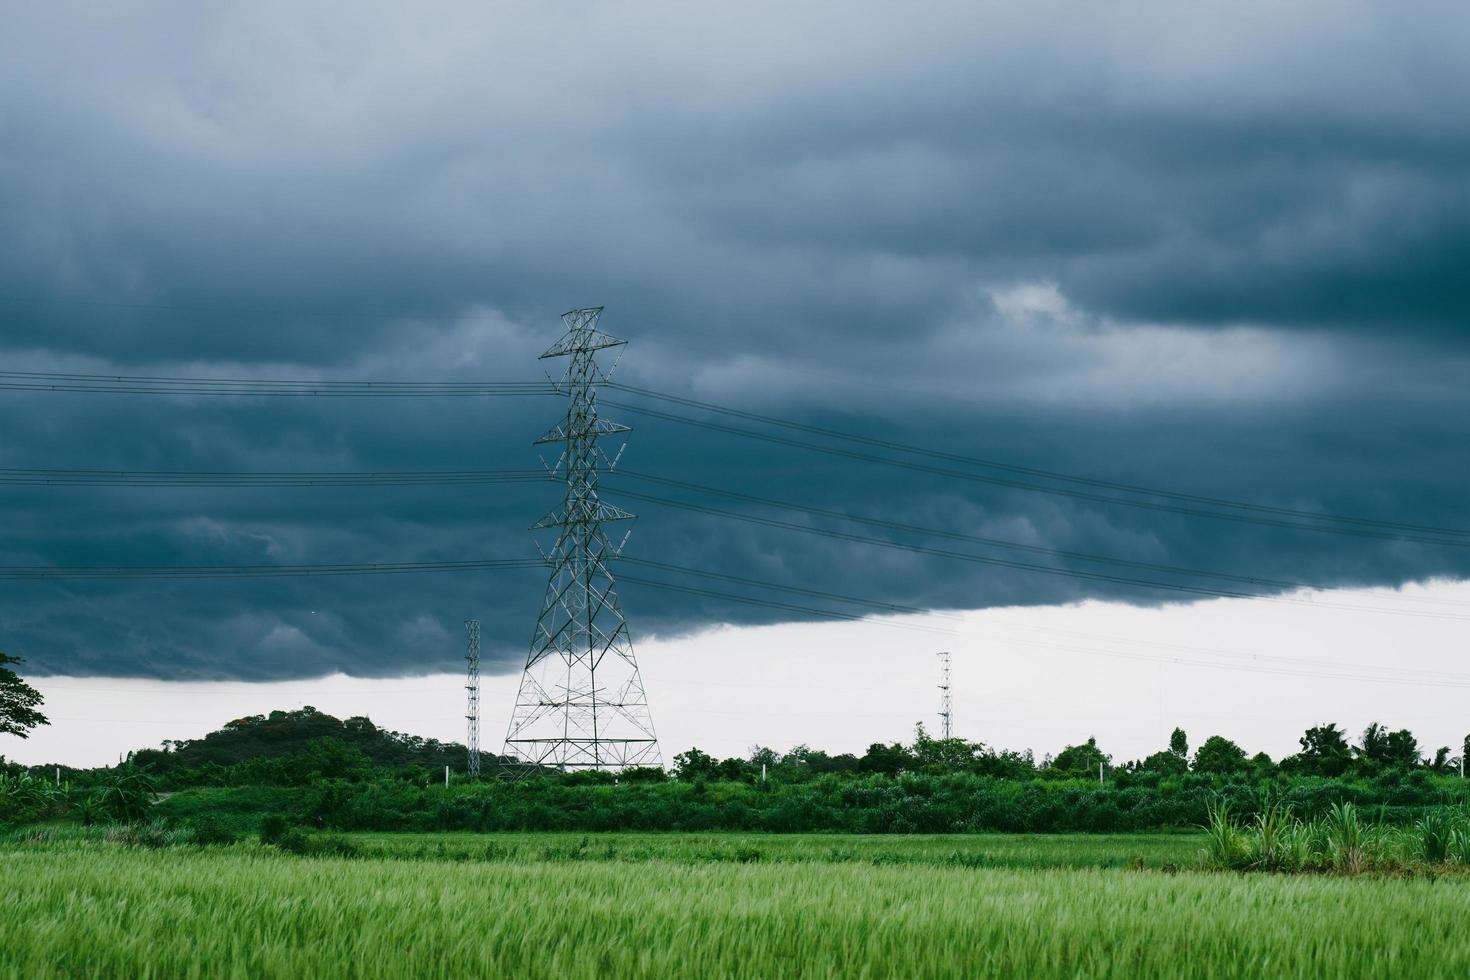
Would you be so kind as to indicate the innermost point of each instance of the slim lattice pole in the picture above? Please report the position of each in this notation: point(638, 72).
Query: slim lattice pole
point(946, 715)
point(581, 703)
point(472, 685)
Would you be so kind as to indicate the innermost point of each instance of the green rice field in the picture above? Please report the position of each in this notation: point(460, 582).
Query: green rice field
point(710, 905)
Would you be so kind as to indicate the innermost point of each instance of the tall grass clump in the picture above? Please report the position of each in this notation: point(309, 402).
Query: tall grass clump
point(1343, 841)
point(1437, 830)
point(1346, 838)
point(1274, 848)
point(1225, 843)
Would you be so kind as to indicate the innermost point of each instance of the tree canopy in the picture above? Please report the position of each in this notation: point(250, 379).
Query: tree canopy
point(18, 702)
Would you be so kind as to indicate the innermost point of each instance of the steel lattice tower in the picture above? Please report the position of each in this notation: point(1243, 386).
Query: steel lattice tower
point(472, 685)
point(581, 703)
point(946, 716)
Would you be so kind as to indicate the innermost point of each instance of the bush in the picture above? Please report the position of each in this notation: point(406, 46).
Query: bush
point(211, 830)
point(273, 827)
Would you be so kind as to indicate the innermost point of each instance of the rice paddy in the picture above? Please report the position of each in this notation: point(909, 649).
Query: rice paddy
point(711, 905)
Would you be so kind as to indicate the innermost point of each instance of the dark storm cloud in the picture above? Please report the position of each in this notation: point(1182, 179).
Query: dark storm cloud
point(1215, 250)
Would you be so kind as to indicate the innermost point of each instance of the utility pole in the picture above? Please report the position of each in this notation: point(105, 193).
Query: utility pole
point(946, 715)
point(581, 703)
point(472, 685)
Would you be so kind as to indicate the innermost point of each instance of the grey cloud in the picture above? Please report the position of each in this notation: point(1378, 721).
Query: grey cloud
point(1218, 250)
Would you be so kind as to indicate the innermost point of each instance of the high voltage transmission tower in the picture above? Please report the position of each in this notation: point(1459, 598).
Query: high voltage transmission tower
point(946, 716)
point(472, 685)
point(581, 703)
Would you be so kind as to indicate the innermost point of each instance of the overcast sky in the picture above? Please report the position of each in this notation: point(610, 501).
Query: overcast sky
point(1219, 251)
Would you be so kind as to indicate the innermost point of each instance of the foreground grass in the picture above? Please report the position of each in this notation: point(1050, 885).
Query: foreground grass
point(87, 908)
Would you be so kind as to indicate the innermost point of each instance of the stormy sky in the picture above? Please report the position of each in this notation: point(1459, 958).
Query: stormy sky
point(1217, 252)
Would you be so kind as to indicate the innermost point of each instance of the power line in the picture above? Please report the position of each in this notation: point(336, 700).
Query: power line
point(1312, 667)
point(878, 605)
point(1254, 667)
point(1022, 566)
point(183, 478)
point(14, 476)
point(1032, 487)
point(1426, 676)
point(165, 385)
point(157, 385)
point(1029, 470)
point(1296, 666)
point(770, 604)
point(255, 571)
point(980, 539)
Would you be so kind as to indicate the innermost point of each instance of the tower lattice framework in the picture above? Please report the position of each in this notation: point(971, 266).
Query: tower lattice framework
point(946, 711)
point(472, 686)
point(581, 703)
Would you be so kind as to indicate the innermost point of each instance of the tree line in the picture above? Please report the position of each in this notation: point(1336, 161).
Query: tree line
point(1325, 751)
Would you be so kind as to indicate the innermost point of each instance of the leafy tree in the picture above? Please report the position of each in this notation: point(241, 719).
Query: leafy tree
point(694, 764)
point(1403, 750)
point(1179, 744)
point(1373, 746)
point(18, 702)
point(798, 757)
point(1442, 763)
point(1081, 758)
point(762, 756)
point(890, 760)
point(1383, 749)
point(1169, 763)
point(943, 754)
point(1219, 756)
point(820, 762)
point(1005, 764)
point(1325, 752)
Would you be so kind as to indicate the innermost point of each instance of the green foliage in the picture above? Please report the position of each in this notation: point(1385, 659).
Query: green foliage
point(694, 764)
point(1437, 829)
point(127, 793)
point(273, 827)
point(18, 702)
point(209, 829)
point(1346, 837)
point(1380, 748)
point(295, 748)
point(24, 797)
point(1080, 759)
point(1220, 756)
point(1325, 752)
point(1341, 841)
point(1274, 847)
point(1225, 845)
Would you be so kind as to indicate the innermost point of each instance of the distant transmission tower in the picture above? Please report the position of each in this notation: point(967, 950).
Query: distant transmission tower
point(472, 684)
point(581, 703)
point(946, 715)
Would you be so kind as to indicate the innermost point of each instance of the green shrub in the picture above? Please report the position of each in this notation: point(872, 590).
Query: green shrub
point(273, 827)
point(1346, 838)
point(209, 829)
point(1225, 845)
